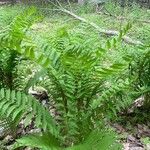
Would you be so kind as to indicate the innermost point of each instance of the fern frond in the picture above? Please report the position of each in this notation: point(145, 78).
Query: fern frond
point(103, 140)
point(106, 102)
point(18, 28)
point(44, 141)
point(16, 105)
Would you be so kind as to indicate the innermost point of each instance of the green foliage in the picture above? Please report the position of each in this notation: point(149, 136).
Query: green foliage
point(78, 84)
point(8, 65)
point(146, 140)
point(44, 142)
point(140, 71)
point(9, 59)
point(105, 139)
point(8, 13)
point(17, 105)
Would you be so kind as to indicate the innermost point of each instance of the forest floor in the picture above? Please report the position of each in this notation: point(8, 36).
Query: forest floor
point(133, 128)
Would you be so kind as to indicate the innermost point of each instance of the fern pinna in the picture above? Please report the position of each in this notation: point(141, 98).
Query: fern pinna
point(77, 80)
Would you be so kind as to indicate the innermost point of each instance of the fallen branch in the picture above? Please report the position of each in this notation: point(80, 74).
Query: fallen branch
point(103, 31)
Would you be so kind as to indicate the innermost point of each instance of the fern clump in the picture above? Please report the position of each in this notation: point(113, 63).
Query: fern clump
point(78, 83)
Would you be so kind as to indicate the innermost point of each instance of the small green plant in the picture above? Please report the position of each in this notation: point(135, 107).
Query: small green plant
point(146, 140)
point(140, 71)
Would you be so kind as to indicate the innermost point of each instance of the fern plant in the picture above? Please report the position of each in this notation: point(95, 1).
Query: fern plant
point(8, 66)
point(139, 70)
point(10, 59)
point(78, 84)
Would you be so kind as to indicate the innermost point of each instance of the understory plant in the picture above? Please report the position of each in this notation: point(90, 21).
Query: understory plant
point(140, 71)
point(8, 68)
point(79, 83)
